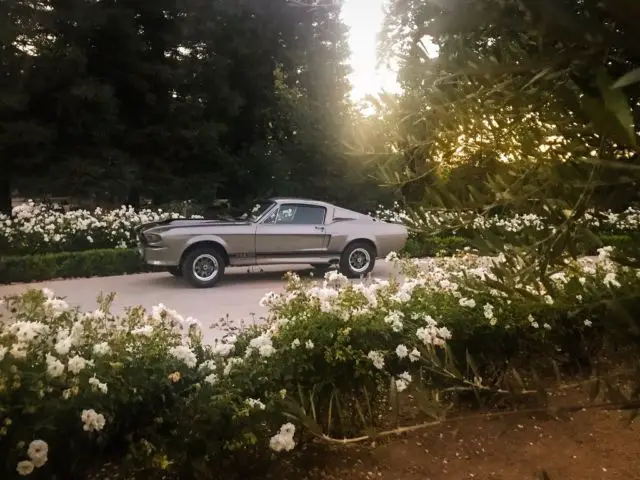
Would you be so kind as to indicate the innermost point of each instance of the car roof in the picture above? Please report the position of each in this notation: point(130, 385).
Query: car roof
point(304, 201)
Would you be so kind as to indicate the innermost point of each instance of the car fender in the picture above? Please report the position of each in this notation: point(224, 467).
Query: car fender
point(204, 238)
point(360, 236)
point(339, 239)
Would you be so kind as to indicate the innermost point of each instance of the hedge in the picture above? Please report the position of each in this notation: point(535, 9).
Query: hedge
point(89, 263)
point(430, 246)
point(108, 262)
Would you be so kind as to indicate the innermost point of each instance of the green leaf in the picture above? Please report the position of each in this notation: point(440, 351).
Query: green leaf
point(594, 389)
point(393, 398)
point(543, 395)
point(472, 364)
point(518, 379)
point(614, 394)
point(606, 163)
point(616, 102)
point(360, 412)
point(621, 312)
point(543, 475)
point(537, 77)
point(628, 79)
point(556, 370)
point(295, 410)
point(606, 121)
point(429, 407)
point(449, 361)
point(630, 417)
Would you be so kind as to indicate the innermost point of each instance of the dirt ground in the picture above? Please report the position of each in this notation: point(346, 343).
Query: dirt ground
point(587, 445)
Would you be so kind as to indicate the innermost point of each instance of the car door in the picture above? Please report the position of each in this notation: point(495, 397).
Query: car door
point(290, 231)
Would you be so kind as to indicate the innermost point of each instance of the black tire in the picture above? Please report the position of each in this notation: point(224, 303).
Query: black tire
point(366, 251)
point(321, 266)
point(203, 254)
point(175, 271)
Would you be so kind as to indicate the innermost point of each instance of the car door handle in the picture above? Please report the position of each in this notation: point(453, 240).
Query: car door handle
point(320, 228)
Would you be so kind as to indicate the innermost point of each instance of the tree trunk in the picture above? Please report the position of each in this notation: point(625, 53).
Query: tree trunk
point(5, 191)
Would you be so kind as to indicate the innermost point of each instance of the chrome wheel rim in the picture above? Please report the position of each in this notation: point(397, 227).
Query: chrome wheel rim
point(359, 260)
point(205, 267)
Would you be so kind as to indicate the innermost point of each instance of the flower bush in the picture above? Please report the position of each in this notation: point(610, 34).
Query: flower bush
point(36, 228)
point(462, 223)
point(78, 389)
point(434, 233)
point(332, 360)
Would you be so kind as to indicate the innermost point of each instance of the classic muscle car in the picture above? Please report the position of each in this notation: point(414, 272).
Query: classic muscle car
point(275, 231)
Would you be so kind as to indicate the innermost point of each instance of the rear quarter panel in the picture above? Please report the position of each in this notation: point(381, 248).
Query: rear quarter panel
point(390, 237)
point(387, 237)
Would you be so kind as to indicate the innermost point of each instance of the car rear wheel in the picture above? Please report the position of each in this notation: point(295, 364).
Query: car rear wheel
point(175, 271)
point(357, 260)
point(203, 267)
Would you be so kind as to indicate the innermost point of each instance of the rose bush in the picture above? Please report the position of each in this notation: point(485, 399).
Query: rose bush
point(36, 228)
point(78, 389)
point(464, 223)
point(333, 358)
point(446, 232)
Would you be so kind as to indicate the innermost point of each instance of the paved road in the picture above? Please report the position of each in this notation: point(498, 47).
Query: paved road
point(236, 296)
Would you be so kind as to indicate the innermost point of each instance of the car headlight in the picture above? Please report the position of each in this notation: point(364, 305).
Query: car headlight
point(152, 237)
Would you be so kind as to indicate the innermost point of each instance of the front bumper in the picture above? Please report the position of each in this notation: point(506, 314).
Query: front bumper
point(156, 256)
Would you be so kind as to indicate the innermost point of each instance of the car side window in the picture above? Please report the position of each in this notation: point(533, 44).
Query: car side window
point(297, 215)
point(271, 218)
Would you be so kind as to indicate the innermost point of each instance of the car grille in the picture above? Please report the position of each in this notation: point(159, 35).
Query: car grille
point(141, 238)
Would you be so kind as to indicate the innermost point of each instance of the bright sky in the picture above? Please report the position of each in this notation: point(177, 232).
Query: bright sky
point(364, 19)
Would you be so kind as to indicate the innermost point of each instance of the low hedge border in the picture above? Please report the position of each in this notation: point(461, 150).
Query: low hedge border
point(89, 263)
point(109, 262)
point(430, 246)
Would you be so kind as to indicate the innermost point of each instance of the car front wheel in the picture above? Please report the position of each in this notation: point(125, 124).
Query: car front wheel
point(203, 267)
point(357, 260)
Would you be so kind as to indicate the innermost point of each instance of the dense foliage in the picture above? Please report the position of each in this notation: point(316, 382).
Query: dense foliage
point(528, 105)
point(141, 388)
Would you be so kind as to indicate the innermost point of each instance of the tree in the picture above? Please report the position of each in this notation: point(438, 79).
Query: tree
point(547, 87)
point(184, 99)
point(22, 140)
point(509, 77)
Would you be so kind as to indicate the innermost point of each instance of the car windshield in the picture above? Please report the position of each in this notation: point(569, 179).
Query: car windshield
point(257, 210)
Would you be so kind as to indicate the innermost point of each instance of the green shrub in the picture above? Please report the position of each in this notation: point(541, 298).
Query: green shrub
point(90, 263)
point(423, 245)
point(140, 388)
point(333, 359)
point(620, 242)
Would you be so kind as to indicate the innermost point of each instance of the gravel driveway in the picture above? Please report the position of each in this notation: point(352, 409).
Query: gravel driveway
point(237, 295)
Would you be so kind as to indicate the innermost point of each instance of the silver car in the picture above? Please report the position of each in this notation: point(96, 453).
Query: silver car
point(276, 231)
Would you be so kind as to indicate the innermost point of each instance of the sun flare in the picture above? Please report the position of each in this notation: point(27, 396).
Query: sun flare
point(364, 19)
